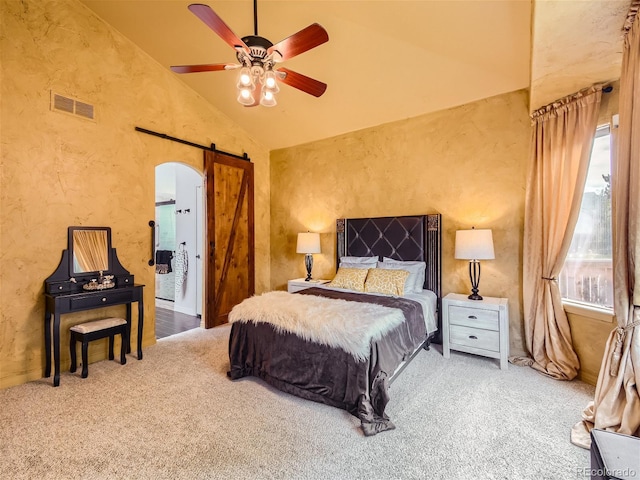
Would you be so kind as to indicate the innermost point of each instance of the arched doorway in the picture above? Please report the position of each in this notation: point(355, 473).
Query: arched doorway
point(178, 249)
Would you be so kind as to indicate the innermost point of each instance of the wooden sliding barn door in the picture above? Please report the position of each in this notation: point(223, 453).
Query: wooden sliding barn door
point(229, 275)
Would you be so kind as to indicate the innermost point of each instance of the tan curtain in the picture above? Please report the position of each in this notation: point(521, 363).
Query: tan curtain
point(616, 404)
point(561, 146)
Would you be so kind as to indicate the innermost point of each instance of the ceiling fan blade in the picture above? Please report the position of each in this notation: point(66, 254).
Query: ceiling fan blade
point(215, 23)
point(300, 42)
point(301, 82)
point(215, 67)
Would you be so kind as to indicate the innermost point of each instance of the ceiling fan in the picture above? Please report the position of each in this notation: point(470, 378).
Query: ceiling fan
point(257, 59)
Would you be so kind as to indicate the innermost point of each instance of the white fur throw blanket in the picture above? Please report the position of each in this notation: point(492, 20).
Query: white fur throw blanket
point(350, 326)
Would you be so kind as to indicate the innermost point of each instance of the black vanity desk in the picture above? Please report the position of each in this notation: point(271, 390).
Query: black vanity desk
point(88, 255)
point(59, 304)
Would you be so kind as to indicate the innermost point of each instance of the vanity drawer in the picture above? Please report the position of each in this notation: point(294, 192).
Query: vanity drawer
point(124, 280)
point(474, 317)
point(59, 287)
point(102, 298)
point(474, 337)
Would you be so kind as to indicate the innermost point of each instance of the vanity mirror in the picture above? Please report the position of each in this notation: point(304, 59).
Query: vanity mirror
point(89, 263)
point(90, 250)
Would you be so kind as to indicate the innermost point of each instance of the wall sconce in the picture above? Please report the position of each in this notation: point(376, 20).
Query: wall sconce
point(308, 243)
point(474, 245)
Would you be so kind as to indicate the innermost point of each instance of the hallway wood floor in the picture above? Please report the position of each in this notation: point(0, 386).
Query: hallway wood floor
point(169, 322)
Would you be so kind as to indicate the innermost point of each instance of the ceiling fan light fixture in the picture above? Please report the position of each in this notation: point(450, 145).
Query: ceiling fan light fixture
point(268, 99)
point(257, 57)
point(245, 97)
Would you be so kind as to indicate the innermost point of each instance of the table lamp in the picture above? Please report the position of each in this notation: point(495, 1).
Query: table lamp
point(474, 245)
point(308, 243)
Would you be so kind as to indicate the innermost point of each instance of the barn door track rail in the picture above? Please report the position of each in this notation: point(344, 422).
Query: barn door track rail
point(211, 148)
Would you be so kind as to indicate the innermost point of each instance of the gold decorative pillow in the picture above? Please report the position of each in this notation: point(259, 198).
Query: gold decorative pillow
point(390, 282)
point(349, 278)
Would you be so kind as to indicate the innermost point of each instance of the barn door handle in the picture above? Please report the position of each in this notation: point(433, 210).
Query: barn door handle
point(152, 224)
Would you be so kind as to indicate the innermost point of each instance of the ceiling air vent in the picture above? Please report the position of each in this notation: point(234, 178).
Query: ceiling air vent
point(60, 103)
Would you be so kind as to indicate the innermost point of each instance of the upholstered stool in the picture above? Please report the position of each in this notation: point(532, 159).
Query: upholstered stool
point(85, 332)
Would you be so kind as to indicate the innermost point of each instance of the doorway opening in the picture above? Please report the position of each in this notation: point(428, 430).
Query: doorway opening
point(179, 216)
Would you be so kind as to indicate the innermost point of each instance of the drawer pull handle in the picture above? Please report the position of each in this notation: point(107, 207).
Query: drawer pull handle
point(473, 337)
point(60, 287)
point(473, 317)
point(126, 280)
point(104, 299)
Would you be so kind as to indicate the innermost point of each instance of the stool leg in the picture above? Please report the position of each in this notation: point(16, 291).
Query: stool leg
point(72, 346)
point(85, 357)
point(123, 348)
point(111, 347)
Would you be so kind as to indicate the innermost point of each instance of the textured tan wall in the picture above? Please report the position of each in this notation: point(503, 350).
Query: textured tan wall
point(59, 170)
point(589, 337)
point(468, 163)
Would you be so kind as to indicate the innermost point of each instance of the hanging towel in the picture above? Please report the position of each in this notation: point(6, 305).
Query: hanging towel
point(163, 261)
point(182, 265)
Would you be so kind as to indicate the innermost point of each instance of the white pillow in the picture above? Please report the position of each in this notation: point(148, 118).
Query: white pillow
point(362, 266)
point(363, 260)
point(417, 272)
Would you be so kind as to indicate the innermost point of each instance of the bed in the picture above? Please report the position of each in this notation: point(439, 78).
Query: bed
point(355, 377)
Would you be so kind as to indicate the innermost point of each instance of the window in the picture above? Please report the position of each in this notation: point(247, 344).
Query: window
point(587, 274)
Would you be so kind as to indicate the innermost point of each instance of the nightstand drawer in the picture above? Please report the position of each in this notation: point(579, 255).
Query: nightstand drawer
point(474, 317)
point(474, 337)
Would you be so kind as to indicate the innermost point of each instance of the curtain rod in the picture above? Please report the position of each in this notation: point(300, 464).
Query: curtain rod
point(212, 148)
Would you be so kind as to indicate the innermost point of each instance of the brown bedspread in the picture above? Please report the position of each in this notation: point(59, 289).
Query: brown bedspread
point(329, 375)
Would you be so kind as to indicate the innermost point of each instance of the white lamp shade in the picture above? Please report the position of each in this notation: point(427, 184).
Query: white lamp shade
point(308, 243)
point(474, 245)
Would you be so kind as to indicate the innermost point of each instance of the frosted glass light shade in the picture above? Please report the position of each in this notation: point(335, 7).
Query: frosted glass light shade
point(245, 97)
point(474, 245)
point(268, 99)
point(270, 82)
point(245, 80)
point(308, 243)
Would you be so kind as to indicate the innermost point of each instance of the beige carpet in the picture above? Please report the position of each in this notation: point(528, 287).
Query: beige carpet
point(175, 415)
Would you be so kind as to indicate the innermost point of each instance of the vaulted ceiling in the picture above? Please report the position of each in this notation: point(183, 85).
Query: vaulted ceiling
point(385, 60)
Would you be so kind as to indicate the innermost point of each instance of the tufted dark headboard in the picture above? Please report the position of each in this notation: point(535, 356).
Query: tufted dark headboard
point(408, 238)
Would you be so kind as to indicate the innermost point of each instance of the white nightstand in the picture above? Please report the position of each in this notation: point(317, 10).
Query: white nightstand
point(301, 284)
point(476, 326)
